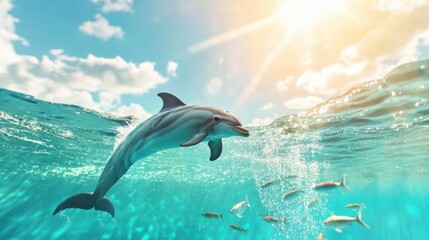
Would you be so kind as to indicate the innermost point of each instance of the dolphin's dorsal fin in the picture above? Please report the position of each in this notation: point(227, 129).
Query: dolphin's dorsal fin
point(170, 101)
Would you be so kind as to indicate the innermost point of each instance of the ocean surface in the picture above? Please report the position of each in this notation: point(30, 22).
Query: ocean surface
point(376, 135)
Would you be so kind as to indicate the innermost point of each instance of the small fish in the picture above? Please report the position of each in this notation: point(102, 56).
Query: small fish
point(291, 176)
point(272, 219)
point(212, 215)
point(339, 222)
point(321, 236)
point(238, 228)
point(355, 206)
point(312, 201)
point(290, 193)
point(331, 185)
point(268, 183)
point(240, 207)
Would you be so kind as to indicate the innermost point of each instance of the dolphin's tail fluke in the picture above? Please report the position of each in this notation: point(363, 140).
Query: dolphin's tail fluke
point(86, 201)
point(105, 205)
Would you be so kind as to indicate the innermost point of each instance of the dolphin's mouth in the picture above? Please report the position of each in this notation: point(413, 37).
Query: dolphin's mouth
point(241, 130)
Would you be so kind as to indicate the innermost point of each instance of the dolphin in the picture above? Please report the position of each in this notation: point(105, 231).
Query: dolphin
point(176, 125)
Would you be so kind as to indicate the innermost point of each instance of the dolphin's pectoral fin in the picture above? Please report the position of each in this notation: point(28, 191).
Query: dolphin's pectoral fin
point(195, 139)
point(215, 148)
point(170, 101)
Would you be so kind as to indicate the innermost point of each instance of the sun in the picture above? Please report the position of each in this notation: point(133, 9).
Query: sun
point(303, 15)
point(298, 12)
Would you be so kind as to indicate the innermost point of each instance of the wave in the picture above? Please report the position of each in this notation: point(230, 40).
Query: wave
point(399, 99)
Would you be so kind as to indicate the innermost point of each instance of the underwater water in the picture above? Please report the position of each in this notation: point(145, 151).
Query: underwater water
point(376, 135)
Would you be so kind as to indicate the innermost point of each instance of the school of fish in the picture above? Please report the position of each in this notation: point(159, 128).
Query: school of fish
point(337, 223)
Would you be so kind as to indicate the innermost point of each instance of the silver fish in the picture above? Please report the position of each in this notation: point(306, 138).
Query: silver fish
point(331, 185)
point(355, 206)
point(240, 207)
point(312, 202)
point(238, 228)
point(291, 176)
point(212, 215)
point(268, 183)
point(339, 222)
point(290, 193)
point(272, 219)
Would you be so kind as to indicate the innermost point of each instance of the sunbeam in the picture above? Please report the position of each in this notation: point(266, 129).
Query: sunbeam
point(235, 33)
point(256, 80)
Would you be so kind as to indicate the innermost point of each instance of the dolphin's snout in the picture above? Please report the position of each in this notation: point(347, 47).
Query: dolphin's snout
point(243, 131)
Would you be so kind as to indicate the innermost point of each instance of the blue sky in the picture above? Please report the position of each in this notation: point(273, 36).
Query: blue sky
point(258, 59)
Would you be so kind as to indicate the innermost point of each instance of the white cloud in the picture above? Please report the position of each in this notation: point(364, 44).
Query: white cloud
point(60, 55)
point(58, 80)
point(58, 93)
point(108, 100)
point(115, 5)
point(69, 79)
point(283, 85)
point(314, 82)
point(328, 81)
point(399, 6)
point(101, 28)
point(172, 68)
point(261, 121)
point(56, 52)
point(339, 77)
point(7, 35)
point(303, 103)
point(267, 106)
point(134, 110)
point(213, 87)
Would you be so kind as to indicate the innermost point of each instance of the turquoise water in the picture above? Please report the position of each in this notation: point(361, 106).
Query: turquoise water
point(376, 135)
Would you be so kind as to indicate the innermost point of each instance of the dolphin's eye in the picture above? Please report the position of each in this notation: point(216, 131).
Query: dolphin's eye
point(216, 118)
